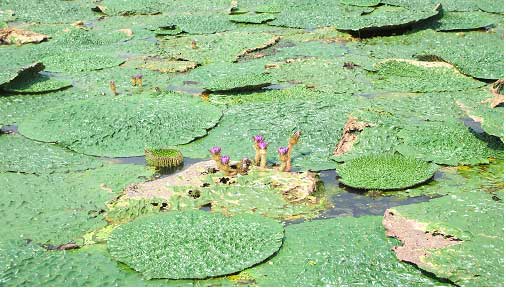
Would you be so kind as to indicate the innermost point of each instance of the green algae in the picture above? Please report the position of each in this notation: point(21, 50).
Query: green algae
point(31, 265)
point(123, 126)
point(337, 252)
point(473, 217)
point(448, 143)
point(211, 244)
point(61, 207)
point(219, 47)
point(406, 76)
point(19, 154)
point(385, 172)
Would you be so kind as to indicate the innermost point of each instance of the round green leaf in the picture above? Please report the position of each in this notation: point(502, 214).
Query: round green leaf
point(195, 245)
point(123, 125)
point(385, 172)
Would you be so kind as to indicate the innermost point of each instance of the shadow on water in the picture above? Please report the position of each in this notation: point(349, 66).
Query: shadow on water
point(470, 123)
point(9, 129)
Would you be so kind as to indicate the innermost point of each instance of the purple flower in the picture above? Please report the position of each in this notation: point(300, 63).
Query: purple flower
point(258, 138)
point(215, 150)
point(282, 150)
point(262, 145)
point(225, 160)
point(138, 76)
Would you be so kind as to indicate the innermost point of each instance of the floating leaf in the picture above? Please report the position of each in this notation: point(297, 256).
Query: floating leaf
point(385, 172)
point(123, 126)
point(211, 245)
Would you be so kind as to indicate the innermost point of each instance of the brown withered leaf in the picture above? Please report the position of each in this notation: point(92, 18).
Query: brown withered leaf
point(19, 36)
point(350, 134)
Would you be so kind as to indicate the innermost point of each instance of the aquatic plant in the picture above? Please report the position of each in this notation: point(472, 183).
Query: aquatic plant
point(333, 253)
point(294, 139)
point(164, 157)
point(243, 167)
point(151, 245)
point(224, 165)
point(476, 218)
point(385, 172)
point(112, 87)
point(216, 154)
point(263, 153)
point(257, 139)
point(284, 157)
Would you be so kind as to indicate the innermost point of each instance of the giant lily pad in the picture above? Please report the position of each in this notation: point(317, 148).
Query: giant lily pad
point(87, 60)
point(277, 114)
point(10, 73)
point(61, 207)
point(35, 83)
point(219, 47)
point(226, 76)
point(475, 219)
point(30, 265)
point(448, 143)
point(49, 11)
point(464, 21)
point(417, 76)
point(385, 172)
point(336, 252)
point(211, 244)
point(346, 17)
point(200, 23)
point(476, 105)
point(475, 53)
point(18, 154)
point(123, 126)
